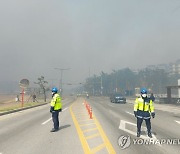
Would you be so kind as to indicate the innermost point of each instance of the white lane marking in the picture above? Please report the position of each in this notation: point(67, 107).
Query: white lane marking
point(122, 126)
point(46, 121)
point(177, 121)
point(51, 118)
point(110, 105)
point(130, 113)
point(65, 109)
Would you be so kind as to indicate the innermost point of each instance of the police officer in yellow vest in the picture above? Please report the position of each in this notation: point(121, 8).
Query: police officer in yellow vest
point(143, 110)
point(56, 107)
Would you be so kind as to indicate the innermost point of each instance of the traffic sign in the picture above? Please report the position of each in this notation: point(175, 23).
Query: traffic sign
point(24, 83)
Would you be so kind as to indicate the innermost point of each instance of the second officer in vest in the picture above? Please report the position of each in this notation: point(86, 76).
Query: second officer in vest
point(56, 107)
point(143, 110)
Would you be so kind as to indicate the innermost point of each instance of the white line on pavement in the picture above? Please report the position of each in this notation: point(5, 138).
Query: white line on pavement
point(110, 105)
point(50, 119)
point(123, 124)
point(177, 121)
point(130, 113)
point(46, 121)
point(65, 109)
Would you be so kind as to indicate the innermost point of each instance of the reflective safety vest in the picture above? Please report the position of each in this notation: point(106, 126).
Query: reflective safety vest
point(144, 105)
point(56, 102)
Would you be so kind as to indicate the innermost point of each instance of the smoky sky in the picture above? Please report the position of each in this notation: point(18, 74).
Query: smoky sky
point(88, 36)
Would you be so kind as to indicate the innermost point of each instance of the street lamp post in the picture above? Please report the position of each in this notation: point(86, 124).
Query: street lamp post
point(61, 80)
point(101, 86)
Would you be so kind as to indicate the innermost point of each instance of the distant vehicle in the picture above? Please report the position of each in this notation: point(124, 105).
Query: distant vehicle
point(117, 98)
point(78, 95)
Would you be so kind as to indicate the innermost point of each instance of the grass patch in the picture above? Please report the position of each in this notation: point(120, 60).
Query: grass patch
point(18, 106)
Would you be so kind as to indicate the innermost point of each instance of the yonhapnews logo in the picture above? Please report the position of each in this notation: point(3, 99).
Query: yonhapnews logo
point(124, 141)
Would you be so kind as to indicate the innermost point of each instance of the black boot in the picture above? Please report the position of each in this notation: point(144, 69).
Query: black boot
point(54, 130)
point(150, 134)
point(138, 134)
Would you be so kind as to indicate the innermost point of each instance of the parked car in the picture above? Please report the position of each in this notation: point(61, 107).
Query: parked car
point(117, 98)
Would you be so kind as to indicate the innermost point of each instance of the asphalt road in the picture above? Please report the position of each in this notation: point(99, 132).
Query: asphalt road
point(28, 131)
point(118, 120)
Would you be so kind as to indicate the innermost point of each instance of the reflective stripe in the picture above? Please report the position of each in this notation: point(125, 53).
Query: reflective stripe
point(147, 117)
point(140, 117)
point(143, 104)
point(143, 117)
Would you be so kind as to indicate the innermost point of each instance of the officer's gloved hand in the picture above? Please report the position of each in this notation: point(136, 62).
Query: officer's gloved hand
point(135, 113)
point(153, 114)
point(60, 110)
point(51, 109)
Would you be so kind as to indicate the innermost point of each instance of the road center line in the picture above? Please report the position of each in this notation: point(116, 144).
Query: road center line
point(130, 113)
point(87, 149)
point(50, 119)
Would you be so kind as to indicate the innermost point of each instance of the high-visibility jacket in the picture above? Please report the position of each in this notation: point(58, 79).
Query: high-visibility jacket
point(146, 105)
point(56, 102)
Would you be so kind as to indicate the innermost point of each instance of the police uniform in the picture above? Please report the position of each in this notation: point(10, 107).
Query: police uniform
point(143, 109)
point(56, 107)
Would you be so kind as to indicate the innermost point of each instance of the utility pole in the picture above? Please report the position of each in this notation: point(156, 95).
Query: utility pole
point(101, 86)
point(61, 80)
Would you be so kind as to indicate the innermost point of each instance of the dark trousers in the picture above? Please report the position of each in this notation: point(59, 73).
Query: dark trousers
point(55, 118)
point(148, 124)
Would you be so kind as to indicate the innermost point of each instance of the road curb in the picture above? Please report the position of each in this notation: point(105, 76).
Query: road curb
point(21, 109)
